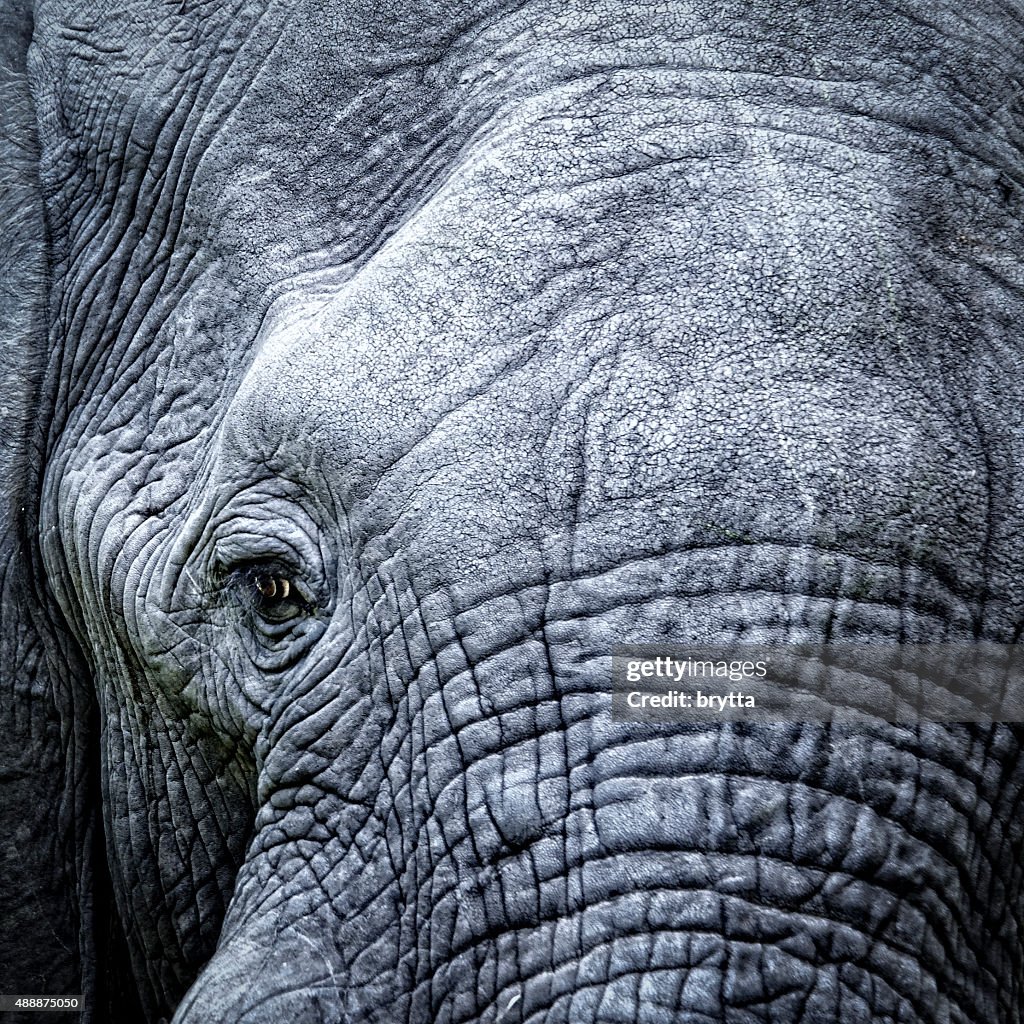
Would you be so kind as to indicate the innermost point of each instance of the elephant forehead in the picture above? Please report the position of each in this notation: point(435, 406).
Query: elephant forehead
point(668, 192)
point(511, 363)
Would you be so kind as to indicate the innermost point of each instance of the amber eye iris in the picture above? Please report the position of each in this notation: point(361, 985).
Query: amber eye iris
point(271, 587)
point(276, 598)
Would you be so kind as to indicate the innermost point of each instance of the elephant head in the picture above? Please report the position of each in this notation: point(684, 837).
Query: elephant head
point(370, 372)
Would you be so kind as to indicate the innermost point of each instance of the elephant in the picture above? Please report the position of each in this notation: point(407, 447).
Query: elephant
point(370, 371)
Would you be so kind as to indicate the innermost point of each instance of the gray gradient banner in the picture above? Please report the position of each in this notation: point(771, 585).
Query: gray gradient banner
point(903, 683)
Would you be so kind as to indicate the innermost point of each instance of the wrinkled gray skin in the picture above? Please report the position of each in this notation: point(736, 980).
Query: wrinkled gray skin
point(503, 333)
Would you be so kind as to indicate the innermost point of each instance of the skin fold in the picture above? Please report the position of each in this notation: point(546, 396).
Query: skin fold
point(369, 372)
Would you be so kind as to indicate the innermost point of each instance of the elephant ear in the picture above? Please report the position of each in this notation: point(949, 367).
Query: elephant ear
point(48, 804)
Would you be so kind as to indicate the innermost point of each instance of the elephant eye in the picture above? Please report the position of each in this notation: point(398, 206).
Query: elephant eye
point(274, 597)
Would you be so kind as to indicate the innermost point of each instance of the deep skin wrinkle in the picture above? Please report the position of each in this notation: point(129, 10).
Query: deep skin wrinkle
point(504, 334)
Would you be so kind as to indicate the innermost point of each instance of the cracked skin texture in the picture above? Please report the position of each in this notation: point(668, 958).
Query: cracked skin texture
point(507, 333)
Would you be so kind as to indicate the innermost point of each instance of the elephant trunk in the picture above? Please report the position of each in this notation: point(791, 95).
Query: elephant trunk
point(514, 854)
point(453, 829)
